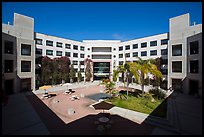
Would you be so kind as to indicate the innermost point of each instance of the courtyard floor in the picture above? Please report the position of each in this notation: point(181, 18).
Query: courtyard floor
point(54, 114)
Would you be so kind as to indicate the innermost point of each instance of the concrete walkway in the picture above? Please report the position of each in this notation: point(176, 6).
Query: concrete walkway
point(19, 118)
point(187, 115)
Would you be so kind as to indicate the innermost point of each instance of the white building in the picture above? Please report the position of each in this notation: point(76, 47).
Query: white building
point(108, 54)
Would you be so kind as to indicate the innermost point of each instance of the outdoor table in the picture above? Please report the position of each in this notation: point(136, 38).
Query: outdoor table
point(103, 119)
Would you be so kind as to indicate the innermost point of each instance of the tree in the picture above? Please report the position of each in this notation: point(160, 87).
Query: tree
point(79, 76)
point(46, 70)
point(124, 69)
point(88, 69)
point(72, 73)
point(141, 68)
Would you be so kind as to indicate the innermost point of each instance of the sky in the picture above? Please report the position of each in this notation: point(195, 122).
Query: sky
point(101, 20)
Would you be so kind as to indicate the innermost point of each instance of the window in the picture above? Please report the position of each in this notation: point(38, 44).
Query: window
point(144, 53)
point(25, 66)
point(177, 66)
point(81, 55)
point(59, 44)
point(88, 48)
point(8, 66)
point(164, 41)
point(143, 45)
point(101, 56)
point(38, 41)
point(49, 43)
point(127, 54)
point(114, 49)
point(114, 56)
point(75, 47)
point(153, 43)
point(67, 54)
point(88, 56)
point(127, 47)
point(153, 52)
point(82, 69)
point(75, 54)
point(75, 62)
point(135, 46)
point(120, 62)
point(135, 54)
point(49, 52)
point(194, 66)
point(120, 48)
point(58, 53)
point(38, 51)
point(120, 55)
point(26, 49)
point(8, 47)
point(177, 50)
point(81, 48)
point(164, 61)
point(81, 62)
point(164, 52)
point(194, 47)
point(68, 46)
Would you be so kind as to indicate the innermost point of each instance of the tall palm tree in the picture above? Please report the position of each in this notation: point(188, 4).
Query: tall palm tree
point(141, 68)
point(121, 69)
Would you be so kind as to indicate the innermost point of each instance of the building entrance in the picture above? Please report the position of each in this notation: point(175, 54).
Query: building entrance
point(101, 70)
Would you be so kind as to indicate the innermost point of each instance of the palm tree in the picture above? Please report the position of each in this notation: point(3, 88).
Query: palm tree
point(121, 69)
point(141, 68)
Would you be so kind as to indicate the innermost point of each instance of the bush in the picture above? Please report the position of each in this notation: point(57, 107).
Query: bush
point(157, 93)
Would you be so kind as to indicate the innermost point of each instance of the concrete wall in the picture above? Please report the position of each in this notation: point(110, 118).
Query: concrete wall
point(23, 30)
point(195, 76)
point(8, 76)
point(180, 29)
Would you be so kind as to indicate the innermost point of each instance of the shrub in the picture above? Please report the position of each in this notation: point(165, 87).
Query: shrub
point(157, 93)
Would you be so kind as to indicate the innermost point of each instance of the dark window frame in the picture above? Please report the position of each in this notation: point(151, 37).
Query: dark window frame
point(57, 44)
point(47, 51)
point(8, 66)
point(152, 53)
point(194, 47)
point(135, 46)
point(57, 53)
point(144, 45)
point(25, 47)
point(7, 46)
point(143, 53)
point(194, 66)
point(152, 43)
point(48, 43)
point(174, 50)
point(176, 70)
point(25, 69)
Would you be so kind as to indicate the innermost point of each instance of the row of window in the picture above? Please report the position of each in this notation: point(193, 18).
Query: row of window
point(26, 66)
point(58, 53)
point(144, 53)
point(144, 44)
point(58, 44)
point(176, 49)
point(177, 66)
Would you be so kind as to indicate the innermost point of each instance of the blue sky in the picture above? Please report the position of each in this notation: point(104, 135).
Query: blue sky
point(102, 20)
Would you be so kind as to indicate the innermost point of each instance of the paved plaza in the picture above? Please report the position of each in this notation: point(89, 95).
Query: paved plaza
point(29, 113)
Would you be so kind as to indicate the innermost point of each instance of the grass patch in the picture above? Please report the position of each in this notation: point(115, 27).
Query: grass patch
point(141, 104)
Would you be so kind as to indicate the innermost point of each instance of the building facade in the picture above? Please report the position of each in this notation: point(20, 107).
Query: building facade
point(171, 47)
point(180, 31)
point(18, 55)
